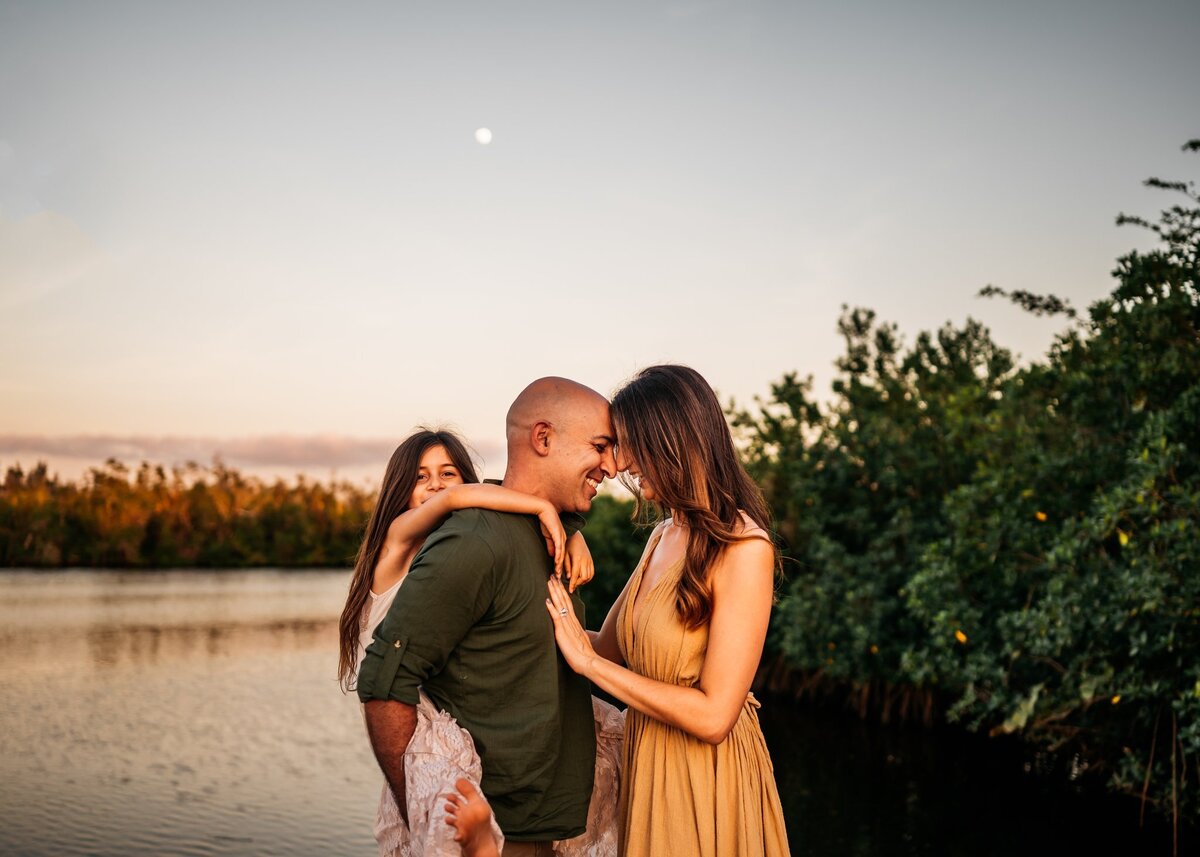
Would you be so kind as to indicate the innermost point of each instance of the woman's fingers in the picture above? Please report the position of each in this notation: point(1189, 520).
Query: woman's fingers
point(560, 610)
point(559, 595)
point(563, 612)
point(572, 640)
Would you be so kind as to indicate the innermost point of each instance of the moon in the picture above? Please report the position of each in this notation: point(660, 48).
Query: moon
point(483, 136)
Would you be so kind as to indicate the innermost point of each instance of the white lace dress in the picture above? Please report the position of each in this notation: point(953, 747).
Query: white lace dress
point(441, 752)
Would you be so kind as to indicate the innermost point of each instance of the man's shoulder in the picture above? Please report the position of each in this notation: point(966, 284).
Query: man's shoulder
point(483, 526)
point(481, 521)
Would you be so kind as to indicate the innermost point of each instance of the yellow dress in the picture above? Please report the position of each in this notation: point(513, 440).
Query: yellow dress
point(680, 795)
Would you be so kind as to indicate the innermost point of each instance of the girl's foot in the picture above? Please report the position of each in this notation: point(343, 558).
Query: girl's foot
point(469, 814)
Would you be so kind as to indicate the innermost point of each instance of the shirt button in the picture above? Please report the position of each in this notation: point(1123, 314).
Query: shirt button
point(398, 644)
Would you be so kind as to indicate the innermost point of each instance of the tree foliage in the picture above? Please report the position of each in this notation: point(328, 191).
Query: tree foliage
point(195, 517)
point(186, 517)
point(1019, 546)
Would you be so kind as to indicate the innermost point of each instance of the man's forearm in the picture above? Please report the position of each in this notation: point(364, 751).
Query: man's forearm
point(390, 726)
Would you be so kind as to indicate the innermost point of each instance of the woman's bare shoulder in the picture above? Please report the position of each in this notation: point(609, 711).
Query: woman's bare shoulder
point(747, 529)
point(745, 565)
point(751, 551)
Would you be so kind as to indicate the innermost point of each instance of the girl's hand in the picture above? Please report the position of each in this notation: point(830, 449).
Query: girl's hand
point(573, 641)
point(555, 536)
point(580, 568)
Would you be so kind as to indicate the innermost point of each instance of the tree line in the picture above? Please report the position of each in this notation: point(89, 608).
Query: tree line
point(1015, 549)
point(184, 517)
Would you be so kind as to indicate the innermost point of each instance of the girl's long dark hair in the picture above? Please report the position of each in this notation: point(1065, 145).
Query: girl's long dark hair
point(668, 420)
point(394, 493)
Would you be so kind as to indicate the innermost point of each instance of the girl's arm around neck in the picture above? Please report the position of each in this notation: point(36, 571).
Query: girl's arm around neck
point(414, 525)
point(578, 561)
point(743, 587)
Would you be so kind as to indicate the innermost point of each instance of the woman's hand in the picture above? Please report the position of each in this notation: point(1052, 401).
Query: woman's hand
point(580, 568)
point(555, 536)
point(572, 640)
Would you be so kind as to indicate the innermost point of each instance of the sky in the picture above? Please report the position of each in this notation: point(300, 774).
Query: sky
point(268, 231)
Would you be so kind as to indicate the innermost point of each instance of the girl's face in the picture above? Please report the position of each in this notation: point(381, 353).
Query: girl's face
point(435, 472)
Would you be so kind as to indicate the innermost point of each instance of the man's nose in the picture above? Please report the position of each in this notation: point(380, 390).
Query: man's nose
point(609, 463)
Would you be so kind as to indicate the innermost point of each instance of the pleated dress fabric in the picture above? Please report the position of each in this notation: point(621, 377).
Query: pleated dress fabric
point(681, 795)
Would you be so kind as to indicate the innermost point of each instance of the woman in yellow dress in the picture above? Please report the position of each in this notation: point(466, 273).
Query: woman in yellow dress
point(682, 642)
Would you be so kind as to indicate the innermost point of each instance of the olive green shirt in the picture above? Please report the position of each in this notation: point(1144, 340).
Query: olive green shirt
point(470, 626)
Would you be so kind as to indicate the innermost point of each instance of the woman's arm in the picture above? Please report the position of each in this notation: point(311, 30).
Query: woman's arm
point(743, 583)
point(415, 524)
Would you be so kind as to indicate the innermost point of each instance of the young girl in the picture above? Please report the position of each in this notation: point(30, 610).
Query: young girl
point(429, 476)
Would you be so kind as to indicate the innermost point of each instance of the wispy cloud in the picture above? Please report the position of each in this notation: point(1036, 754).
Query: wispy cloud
point(301, 452)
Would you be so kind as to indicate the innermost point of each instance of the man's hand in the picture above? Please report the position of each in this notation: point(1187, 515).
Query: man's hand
point(390, 726)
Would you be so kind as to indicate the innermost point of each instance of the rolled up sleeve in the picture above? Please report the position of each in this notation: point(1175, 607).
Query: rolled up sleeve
point(447, 590)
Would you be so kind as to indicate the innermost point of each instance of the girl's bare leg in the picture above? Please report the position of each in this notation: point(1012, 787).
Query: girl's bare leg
point(469, 814)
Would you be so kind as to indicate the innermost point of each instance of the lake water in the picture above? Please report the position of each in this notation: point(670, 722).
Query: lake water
point(196, 713)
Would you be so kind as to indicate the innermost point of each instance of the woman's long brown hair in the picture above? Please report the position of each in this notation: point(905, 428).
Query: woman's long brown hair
point(668, 420)
point(398, 482)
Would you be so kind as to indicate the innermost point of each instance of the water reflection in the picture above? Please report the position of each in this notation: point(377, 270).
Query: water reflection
point(114, 620)
point(109, 647)
point(113, 647)
point(178, 713)
point(182, 713)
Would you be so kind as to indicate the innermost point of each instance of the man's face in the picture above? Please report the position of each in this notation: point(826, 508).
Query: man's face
point(583, 455)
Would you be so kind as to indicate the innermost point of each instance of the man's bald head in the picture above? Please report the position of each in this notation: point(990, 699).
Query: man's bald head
point(552, 400)
point(560, 442)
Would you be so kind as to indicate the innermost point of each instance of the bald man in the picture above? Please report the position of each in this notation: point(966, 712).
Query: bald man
point(469, 627)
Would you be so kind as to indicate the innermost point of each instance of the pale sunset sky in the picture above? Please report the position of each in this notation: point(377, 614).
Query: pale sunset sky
point(267, 230)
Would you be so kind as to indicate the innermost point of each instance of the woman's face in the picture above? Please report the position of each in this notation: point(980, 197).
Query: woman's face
point(626, 463)
point(435, 473)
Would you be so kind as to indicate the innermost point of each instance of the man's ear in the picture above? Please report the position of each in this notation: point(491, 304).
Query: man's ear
point(539, 435)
